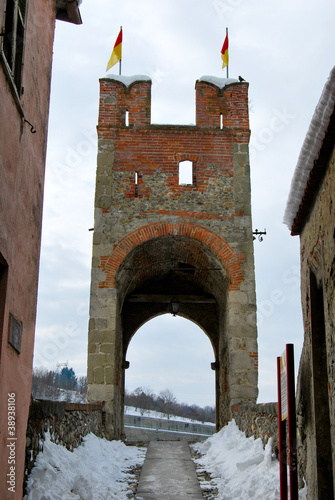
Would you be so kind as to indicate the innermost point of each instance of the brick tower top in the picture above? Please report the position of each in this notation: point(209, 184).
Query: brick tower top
point(220, 102)
point(125, 101)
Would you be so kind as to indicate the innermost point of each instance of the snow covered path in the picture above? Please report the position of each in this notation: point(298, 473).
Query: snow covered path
point(168, 473)
point(98, 469)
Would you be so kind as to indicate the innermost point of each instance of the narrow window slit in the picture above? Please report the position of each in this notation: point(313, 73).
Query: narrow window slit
point(221, 121)
point(185, 172)
point(127, 118)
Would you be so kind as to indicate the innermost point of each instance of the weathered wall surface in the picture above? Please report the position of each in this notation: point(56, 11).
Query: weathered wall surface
point(258, 420)
point(67, 424)
point(140, 435)
point(154, 235)
point(172, 425)
point(316, 380)
point(22, 162)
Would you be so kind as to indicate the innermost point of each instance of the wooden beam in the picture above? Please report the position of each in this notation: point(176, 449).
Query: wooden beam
point(166, 299)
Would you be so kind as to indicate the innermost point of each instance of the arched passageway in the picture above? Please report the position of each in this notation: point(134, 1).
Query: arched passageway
point(150, 276)
point(165, 268)
point(172, 353)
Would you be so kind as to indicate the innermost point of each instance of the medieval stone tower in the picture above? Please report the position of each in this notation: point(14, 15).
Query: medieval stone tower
point(159, 237)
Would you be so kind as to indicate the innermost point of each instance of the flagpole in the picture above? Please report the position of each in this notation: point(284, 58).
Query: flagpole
point(228, 59)
point(121, 56)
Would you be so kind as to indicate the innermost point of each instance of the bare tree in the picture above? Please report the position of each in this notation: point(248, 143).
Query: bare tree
point(167, 402)
point(144, 398)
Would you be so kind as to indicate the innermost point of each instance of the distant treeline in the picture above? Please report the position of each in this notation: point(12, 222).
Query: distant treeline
point(48, 384)
point(143, 399)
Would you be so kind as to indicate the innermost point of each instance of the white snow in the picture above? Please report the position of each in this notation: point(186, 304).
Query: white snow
point(219, 82)
point(240, 468)
point(51, 393)
point(310, 149)
point(137, 412)
point(96, 470)
point(128, 80)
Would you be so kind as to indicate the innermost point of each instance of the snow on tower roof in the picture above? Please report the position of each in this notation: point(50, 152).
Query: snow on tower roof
point(128, 80)
point(310, 149)
point(219, 82)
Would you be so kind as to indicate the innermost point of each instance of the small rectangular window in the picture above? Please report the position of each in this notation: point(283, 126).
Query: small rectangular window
point(185, 172)
point(15, 332)
point(127, 118)
point(221, 121)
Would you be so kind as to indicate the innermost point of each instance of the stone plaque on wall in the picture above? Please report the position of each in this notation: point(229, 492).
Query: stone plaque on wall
point(15, 332)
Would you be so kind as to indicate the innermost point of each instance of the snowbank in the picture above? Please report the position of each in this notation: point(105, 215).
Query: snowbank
point(96, 470)
point(240, 468)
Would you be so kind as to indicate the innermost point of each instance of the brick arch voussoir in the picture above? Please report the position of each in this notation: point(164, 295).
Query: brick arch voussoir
point(186, 156)
point(231, 260)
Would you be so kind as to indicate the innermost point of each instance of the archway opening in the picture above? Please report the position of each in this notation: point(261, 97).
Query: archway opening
point(172, 353)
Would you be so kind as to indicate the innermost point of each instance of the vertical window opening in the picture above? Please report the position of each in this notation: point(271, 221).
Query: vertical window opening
point(13, 39)
point(221, 121)
point(185, 172)
point(127, 118)
point(320, 388)
point(3, 290)
point(136, 184)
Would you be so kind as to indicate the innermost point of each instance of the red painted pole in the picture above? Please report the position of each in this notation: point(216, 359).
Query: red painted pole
point(281, 442)
point(291, 423)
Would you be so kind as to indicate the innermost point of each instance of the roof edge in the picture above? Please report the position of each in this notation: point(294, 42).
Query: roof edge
point(68, 11)
point(310, 149)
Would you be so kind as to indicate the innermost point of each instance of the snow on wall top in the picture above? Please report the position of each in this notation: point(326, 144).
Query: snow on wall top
point(128, 80)
point(219, 82)
point(310, 149)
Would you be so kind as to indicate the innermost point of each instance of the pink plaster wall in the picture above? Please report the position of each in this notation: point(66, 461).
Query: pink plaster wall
point(22, 164)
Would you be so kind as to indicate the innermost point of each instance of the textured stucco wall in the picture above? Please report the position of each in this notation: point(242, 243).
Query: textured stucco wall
point(22, 163)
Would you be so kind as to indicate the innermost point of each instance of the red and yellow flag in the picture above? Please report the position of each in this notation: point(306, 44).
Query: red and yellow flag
point(224, 53)
point(117, 52)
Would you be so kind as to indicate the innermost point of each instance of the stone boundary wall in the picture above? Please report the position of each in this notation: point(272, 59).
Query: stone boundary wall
point(258, 420)
point(141, 434)
point(172, 425)
point(67, 423)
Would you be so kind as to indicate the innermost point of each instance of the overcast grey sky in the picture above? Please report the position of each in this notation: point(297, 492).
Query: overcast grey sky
point(285, 51)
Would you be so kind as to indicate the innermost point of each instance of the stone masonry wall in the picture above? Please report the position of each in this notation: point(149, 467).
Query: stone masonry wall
point(67, 424)
point(317, 362)
point(258, 420)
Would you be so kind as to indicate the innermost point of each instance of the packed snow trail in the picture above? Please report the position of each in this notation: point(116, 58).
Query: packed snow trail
point(168, 473)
